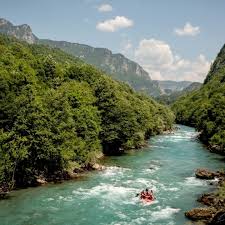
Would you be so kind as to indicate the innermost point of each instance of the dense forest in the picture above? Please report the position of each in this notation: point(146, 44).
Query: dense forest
point(205, 108)
point(58, 113)
point(115, 65)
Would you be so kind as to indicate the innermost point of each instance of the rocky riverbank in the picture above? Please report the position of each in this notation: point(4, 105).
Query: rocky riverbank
point(69, 174)
point(55, 178)
point(213, 210)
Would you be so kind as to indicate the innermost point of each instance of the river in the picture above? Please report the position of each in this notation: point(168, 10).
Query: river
point(167, 166)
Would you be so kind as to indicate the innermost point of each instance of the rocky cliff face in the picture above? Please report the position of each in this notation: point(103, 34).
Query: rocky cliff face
point(171, 95)
point(22, 32)
point(192, 87)
point(172, 86)
point(117, 65)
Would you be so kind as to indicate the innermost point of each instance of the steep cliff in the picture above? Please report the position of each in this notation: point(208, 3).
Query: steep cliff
point(22, 32)
point(117, 65)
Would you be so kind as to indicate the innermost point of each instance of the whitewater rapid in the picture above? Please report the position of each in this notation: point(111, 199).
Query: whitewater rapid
point(108, 197)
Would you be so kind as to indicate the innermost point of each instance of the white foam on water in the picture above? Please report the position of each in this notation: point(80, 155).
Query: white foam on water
point(193, 181)
point(181, 137)
point(67, 198)
point(114, 171)
point(113, 193)
point(145, 182)
point(163, 214)
point(137, 221)
point(157, 146)
point(52, 208)
point(156, 162)
point(152, 168)
point(150, 203)
point(141, 183)
point(117, 194)
point(160, 140)
point(121, 215)
point(49, 199)
point(172, 189)
point(212, 181)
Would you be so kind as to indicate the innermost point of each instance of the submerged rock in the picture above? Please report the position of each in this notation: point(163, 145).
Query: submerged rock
point(41, 181)
point(89, 167)
point(97, 166)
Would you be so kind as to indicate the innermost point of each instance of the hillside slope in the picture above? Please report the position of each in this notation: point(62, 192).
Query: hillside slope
point(115, 65)
point(169, 86)
point(169, 99)
point(118, 66)
point(58, 113)
point(205, 108)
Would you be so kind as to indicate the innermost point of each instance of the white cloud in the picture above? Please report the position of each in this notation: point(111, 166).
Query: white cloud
point(162, 63)
point(105, 8)
point(115, 24)
point(127, 47)
point(187, 30)
point(155, 51)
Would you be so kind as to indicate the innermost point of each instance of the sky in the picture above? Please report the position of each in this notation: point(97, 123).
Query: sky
point(170, 39)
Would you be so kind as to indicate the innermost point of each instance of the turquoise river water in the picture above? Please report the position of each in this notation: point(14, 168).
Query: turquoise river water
point(167, 166)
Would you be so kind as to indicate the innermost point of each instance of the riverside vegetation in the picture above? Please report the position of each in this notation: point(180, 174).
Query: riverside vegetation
point(58, 114)
point(204, 109)
point(115, 65)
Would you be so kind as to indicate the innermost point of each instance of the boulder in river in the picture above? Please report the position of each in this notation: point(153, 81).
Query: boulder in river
point(201, 213)
point(78, 170)
point(41, 181)
point(97, 166)
point(205, 174)
point(213, 200)
point(208, 199)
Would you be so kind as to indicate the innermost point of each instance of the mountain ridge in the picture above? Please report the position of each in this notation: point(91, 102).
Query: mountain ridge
point(58, 114)
point(116, 65)
point(22, 32)
point(172, 86)
point(170, 97)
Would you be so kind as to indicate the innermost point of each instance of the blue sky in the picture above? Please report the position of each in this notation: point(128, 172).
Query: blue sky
point(171, 39)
